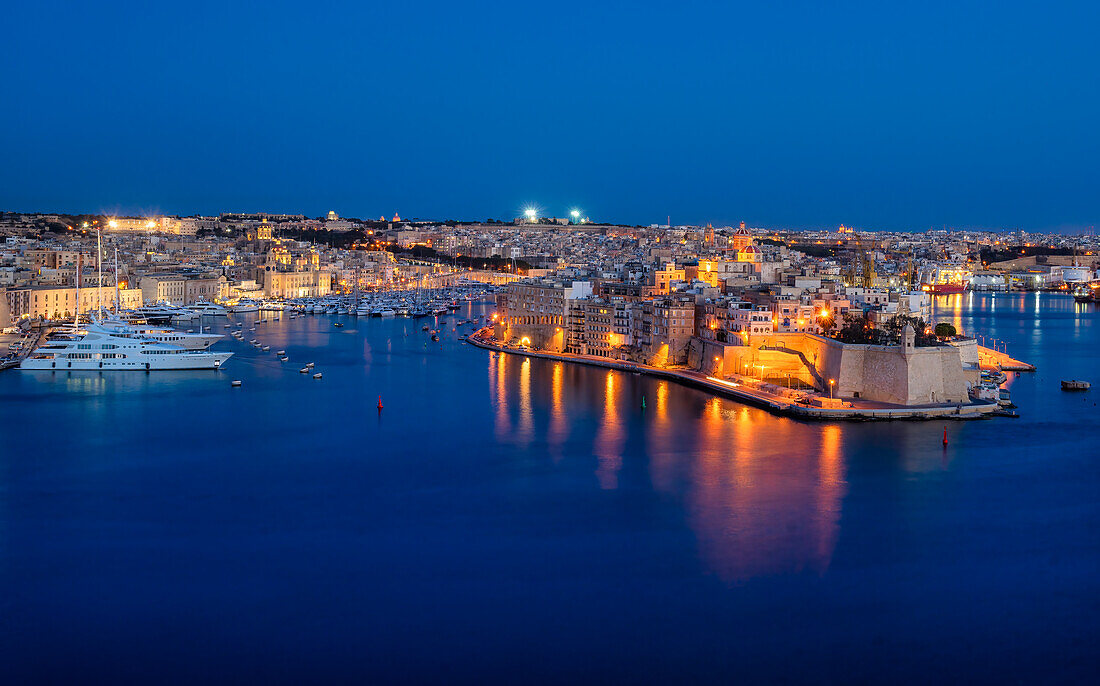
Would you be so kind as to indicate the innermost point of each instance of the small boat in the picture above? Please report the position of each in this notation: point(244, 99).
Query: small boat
point(339, 325)
point(284, 358)
point(280, 353)
point(309, 365)
point(317, 375)
point(425, 328)
point(266, 348)
point(1074, 385)
point(304, 370)
point(435, 337)
point(236, 384)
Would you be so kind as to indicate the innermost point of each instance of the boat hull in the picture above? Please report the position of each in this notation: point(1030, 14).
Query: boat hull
point(946, 288)
point(165, 363)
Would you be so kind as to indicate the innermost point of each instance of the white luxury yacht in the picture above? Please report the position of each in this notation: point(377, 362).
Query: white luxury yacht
point(244, 305)
point(208, 309)
point(189, 341)
point(163, 313)
point(95, 350)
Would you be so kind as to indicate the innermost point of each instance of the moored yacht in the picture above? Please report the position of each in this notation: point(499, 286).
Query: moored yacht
point(206, 309)
point(163, 313)
point(244, 305)
point(184, 339)
point(96, 350)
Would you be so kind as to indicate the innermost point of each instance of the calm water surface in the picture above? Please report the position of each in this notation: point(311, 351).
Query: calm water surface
point(519, 520)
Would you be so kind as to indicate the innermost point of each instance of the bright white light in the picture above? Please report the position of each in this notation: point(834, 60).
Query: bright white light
point(530, 212)
point(113, 224)
point(575, 213)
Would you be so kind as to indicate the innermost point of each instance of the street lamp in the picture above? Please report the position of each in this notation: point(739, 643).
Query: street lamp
point(576, 215)
point(831, 382)
point(531, 214)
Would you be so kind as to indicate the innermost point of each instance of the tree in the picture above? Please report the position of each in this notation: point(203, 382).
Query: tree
point(896, 324)
point(945, 330)
point(857, 329)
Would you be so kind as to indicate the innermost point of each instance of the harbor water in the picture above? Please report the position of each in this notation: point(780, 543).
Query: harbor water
point(505, 519)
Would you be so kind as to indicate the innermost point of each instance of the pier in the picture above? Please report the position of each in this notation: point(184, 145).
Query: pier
point(997, 359)
point(30, 341)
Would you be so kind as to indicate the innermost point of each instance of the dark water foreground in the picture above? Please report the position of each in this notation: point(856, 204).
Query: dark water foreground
point(511, 520)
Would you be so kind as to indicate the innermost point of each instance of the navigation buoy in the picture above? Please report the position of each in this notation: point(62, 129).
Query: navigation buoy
point(379, 403)
point(945, 436)
point(643, 402)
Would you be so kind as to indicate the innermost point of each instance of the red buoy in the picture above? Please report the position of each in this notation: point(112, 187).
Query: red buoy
point(380, 409)
point(944, 430)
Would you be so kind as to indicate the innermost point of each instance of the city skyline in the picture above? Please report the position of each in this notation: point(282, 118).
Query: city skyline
point(794, 116)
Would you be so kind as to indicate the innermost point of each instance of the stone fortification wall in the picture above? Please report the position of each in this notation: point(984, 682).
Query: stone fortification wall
point(893, 374)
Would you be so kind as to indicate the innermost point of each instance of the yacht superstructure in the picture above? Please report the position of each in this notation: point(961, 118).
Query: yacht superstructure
point(184, 339)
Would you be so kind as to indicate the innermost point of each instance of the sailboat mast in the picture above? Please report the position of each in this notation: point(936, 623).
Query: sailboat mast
point(99, 267)
point(117, 299)
point(76, 319)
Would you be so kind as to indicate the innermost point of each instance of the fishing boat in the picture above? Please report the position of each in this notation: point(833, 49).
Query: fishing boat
point(1075, 385)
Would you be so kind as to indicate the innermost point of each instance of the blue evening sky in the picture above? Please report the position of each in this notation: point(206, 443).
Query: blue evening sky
point(878, 114)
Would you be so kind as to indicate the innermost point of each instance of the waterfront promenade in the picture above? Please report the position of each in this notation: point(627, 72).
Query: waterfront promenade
point(754, 392)
point(996, 359)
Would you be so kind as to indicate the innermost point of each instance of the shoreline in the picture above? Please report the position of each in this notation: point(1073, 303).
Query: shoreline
point(756, 397)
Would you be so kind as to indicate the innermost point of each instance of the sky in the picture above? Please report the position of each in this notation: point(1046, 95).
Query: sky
point(899, 115)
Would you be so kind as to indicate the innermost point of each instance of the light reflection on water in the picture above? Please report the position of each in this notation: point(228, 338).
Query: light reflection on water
point(761, 494)
point(611, 435)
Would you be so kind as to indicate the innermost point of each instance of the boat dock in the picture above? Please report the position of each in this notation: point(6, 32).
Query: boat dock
point(30, 341)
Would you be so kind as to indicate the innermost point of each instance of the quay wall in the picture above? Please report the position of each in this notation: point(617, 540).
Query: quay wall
point(898, 375)
point(757, 396)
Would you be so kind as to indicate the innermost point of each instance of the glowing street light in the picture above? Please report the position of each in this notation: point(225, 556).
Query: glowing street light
point(113, 224)
point(831, 383)
point(531, 213)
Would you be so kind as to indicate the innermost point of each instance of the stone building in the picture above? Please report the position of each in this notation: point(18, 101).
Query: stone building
point(538, 312)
